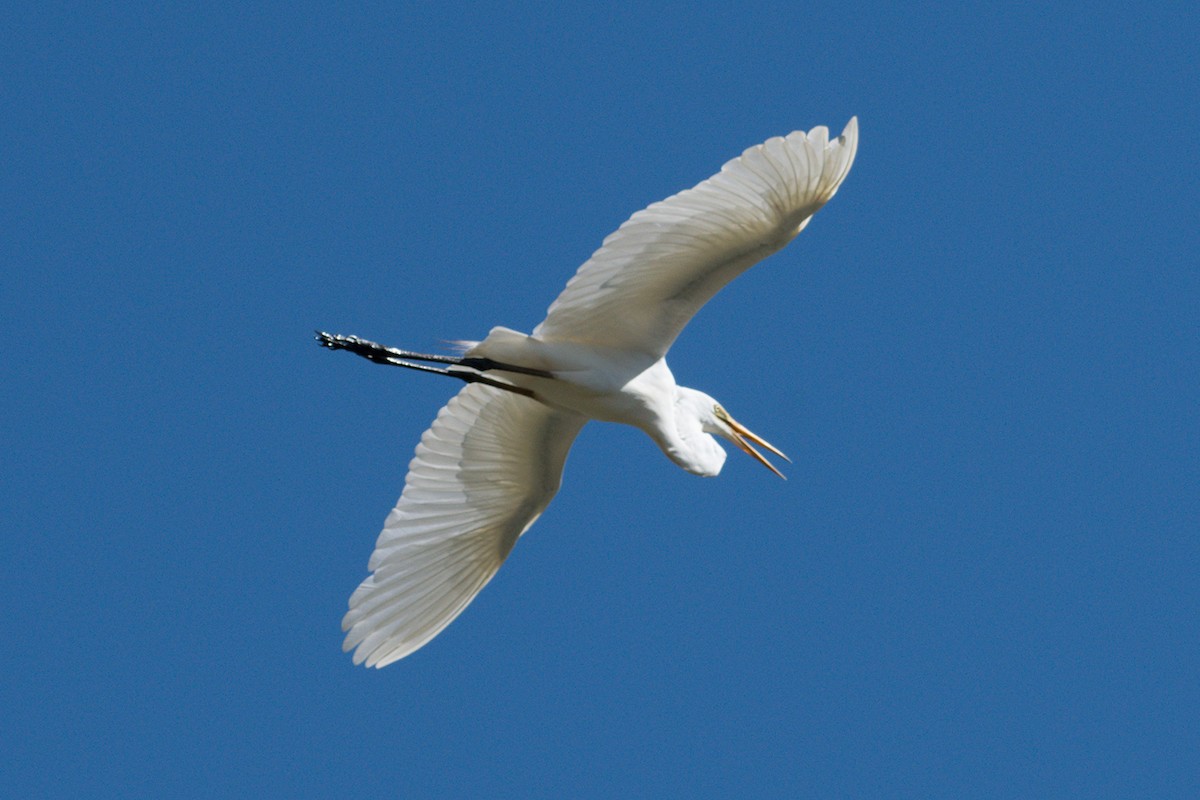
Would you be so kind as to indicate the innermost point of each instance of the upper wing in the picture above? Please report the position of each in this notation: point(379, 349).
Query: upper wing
point(655, 272)
point(482, 474)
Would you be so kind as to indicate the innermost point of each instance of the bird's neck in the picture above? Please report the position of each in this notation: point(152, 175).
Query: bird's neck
point(684, 441)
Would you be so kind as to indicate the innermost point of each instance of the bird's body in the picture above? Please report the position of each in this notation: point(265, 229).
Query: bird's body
point(608, 386)
point(615, 386)
point(493, 458)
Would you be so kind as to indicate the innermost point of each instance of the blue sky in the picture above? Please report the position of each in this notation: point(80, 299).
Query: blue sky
point(980, 579)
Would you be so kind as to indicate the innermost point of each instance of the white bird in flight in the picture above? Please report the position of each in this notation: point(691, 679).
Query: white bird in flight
point(493, 458)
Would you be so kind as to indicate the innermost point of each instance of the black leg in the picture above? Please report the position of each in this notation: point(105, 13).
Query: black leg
point(385, 355)
point(396, 358)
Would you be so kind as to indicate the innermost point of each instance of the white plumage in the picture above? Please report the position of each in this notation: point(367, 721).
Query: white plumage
point(482, 474)
point(493, 458)
point(657, 270)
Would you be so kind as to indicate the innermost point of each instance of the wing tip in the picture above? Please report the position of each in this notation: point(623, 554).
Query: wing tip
point(849, 143)
point(839, 154)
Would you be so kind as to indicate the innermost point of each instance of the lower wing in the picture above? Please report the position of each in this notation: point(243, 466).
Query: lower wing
point(483, 473)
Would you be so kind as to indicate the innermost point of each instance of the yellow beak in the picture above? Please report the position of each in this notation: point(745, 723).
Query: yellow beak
point(740, 436)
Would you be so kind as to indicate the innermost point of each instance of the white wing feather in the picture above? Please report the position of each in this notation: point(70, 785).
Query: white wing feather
point(482, 474)
point(650, 277)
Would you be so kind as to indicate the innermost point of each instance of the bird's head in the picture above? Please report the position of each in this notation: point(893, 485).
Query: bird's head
point(740, 435)
point(714, 419)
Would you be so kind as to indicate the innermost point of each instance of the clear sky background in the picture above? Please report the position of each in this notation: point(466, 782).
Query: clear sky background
point(982, 578)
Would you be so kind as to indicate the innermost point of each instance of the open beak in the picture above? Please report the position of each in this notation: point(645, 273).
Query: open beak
point(742, 436)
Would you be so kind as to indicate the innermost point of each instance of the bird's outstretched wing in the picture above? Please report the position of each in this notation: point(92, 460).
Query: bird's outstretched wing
point(650, 277)
point(482, 474)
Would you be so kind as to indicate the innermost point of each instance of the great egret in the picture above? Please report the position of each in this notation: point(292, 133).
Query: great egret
point(493, 458)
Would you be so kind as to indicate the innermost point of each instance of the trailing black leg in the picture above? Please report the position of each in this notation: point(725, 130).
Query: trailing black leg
point(384, 355)
point(397, 358)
